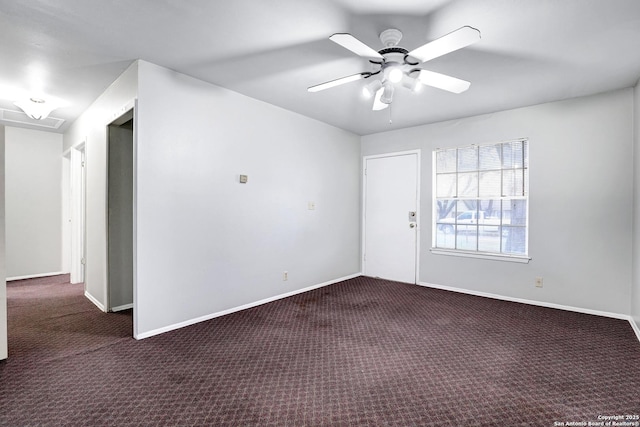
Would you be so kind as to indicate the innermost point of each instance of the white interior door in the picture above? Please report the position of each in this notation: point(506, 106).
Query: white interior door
point(390, 216)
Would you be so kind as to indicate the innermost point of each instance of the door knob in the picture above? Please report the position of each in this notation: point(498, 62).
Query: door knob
point(412, 225)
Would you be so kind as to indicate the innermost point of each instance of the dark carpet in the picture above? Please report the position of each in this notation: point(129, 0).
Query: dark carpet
point(360, 352)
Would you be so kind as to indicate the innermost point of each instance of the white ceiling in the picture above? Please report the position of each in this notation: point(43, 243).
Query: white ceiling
point(532, 51)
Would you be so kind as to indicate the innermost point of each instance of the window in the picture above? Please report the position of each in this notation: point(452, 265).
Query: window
point(481, 195)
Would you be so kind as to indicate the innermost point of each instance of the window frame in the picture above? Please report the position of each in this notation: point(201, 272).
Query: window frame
point(498, 256)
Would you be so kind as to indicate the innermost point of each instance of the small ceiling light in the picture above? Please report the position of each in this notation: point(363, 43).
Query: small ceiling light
point(395, 75)
point(370, 89)
point(36, 108)
point(387, 95)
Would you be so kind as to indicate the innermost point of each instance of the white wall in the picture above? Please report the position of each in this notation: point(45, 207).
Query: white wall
point(91, 127)
point(3, 283)
point(580, 195)
point(205, 242)
point(635, 290)
point(33, 178)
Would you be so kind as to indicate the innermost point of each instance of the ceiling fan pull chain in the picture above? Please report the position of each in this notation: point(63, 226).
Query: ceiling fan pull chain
point(390, 119)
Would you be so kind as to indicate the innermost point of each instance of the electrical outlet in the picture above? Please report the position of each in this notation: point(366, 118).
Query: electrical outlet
point(285, 276)
point(538, 282)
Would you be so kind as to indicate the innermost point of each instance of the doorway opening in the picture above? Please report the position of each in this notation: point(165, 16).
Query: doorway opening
point(120, 213)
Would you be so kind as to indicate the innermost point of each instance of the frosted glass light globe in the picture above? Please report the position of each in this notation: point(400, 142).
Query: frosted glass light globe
point(395, 75)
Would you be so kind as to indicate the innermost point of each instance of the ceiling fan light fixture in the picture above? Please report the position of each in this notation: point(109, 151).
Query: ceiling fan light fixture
point(377, 104)
point(370, 89)
point(412, 83)
point(387, 94)
point(36, 108)
point(395, 75)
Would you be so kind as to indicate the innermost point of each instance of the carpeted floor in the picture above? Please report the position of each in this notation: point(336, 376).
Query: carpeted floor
point(361, 352)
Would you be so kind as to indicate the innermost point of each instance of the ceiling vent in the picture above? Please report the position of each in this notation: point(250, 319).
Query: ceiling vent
point(23, 119)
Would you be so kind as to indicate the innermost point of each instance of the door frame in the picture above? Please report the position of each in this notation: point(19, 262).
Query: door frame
point(77, 198)
point(417, 152)
point(125, 114)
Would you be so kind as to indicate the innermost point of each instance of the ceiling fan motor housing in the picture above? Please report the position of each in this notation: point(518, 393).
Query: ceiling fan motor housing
point(390, 37)
point(394, 57)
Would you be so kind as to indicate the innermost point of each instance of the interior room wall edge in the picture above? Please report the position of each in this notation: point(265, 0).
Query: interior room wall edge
point(4, 343)
point(635, 286)
point(90, 128)
point(35, 276)
point(240, 308)
point(582, 310)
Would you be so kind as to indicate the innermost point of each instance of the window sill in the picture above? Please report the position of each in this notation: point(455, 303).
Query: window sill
point(482, 255)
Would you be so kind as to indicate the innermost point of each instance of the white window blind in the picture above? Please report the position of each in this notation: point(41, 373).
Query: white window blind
point(481, 198)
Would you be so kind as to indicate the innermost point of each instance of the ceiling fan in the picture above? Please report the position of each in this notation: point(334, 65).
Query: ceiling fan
point(396, 65)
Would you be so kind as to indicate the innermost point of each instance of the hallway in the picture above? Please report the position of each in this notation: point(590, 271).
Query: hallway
point(39, 307)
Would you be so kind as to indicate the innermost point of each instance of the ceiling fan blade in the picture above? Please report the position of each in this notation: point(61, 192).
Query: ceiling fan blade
point(453, 41)
point(442, 81)
point(336, 82)
point(377, 104)
point(354, 45)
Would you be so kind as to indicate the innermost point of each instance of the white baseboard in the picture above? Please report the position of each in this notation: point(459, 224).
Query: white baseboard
point(95, 301)
point(122, 307)
point(35, 276)
point(235, 309)
point(635, 326)
point(538, 303)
